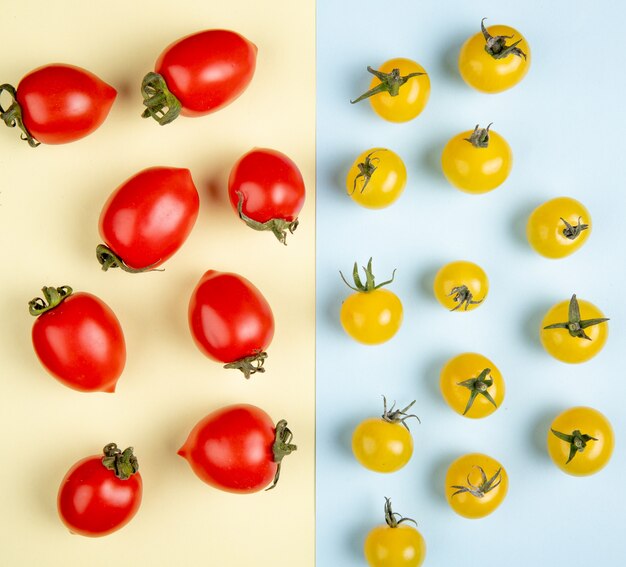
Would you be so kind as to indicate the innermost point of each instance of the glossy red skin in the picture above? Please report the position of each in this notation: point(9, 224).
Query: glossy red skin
point(149, 217)
point(231, 449)
point(63, 103)
point(206, 71)
point(81, 343)
point(271, 184)
point(93, 502)
point(229, 318)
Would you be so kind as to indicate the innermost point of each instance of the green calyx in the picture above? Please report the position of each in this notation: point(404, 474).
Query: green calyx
point(370, 284)
point(573, 232)
point(52, 296)
point(366, 170)
point(394, 519)
point(496, 45)
point(123, 463)
point(281, 448)
point(478, 386)
point(575, 325)
point(463, 296)
point(109, 259)
point(249, 365)
point(12, 116)
point(389, 83)
point(479, 137)
point(577, 441)
point(486, 484)
point(160, 103)
point(393, 415)
point(279, 227)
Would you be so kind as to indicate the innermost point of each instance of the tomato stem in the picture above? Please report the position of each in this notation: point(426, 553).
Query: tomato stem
point(281, 448)
point(392, 415)
point(577, 441)
point(463, 296)
point(278, 226)
point(390, 516)
point(366, 170)
point(486, 485)
point(479, 137)
point(12, 116)
point(478, 386)
point(109, 259)
point(370, 284)
point(53, 296)
point(389, 83)
point(123, 463)
point(573, 232)
point(250, 364)
point(496, 45)
point(160, 103)
point(575, 325)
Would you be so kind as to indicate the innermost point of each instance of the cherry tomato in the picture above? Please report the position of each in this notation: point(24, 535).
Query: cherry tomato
point(78, 339)
point(267, 190)
point(147, 219)
point(399, 90)
point(395, 544)
point(102, 493)
point(198, 74)
point(558, 227)
point(574, 331)
point(231, 321)
point(495, 59)
point(376, 179)
point(476, 485)
point(472, 385)
point(384, 444)
point(238, 449)
point(477, 161)
point(580, 441)
point(461, 286)
point(57, 104)
point(372, 315)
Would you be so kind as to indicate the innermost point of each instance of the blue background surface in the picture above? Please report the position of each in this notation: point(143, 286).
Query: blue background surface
point(565, 123)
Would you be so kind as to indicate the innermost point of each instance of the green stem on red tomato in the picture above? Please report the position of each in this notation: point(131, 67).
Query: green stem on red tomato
point(389, 83)
point(278, 226)
point(496, 45)
point(52, 296)
point(160, 103)
point(250, 364)
point(12, 116)
point(123, 463)
point(370, 284)
point(390, 516)
point(109, 259)
point(281, 448)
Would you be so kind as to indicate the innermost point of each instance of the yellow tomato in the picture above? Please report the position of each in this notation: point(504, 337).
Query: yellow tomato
point(495, 59)
point(399, 90)
point(461, 286)
point(580, 441)
point(558, 227)
point(394, 544)
point(376, 179)
point(384, 444)
point(472, 385)
point(574, 331)
point(476, 485)
point(477, 161)
point(372, 315)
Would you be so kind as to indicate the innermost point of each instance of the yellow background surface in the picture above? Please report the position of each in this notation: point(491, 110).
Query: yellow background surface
point(50, 200)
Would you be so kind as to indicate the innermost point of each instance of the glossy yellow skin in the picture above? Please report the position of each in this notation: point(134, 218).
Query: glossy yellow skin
point(382, 446)
point(463, 367)
point(595, 455)
point(486, 74)
point(456, 274)
point(386, 184)
point(412, 97)
point(466, 504)
point(561, 345)
point(476, 170)
point(372, 317)
point(402, 546)
point(545, 227)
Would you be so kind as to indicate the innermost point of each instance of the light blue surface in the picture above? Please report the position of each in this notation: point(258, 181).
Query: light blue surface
point(566, 126)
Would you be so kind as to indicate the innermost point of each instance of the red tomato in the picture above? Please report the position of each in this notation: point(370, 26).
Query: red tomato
point(147, 219)
point(238, 449)
point(78, 339)
point(198, 74)
point(231, 321)
point(266, 189)
point(56, 104)
point(101, 494)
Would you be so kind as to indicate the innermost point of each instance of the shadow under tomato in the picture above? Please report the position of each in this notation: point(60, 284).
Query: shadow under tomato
point(518, 223)
point(449, 61)
point(438, 476)
point(531, 326)
point(539, 432)
point(429, 375)
point(427, 280)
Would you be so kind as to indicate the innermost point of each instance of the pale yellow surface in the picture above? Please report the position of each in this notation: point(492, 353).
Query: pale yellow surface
point(50, 200)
